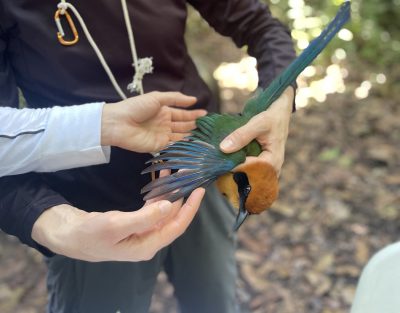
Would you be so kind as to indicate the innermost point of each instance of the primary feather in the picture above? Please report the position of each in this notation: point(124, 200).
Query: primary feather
point(198, 157)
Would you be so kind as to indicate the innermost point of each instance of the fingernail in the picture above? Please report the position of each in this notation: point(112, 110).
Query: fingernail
point(226, 144)
point(165, 207)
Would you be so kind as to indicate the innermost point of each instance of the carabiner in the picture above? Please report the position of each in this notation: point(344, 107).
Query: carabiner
point(61, 34)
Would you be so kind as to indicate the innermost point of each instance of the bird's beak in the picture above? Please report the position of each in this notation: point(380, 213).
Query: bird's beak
point(244, 189)
point(240, 218)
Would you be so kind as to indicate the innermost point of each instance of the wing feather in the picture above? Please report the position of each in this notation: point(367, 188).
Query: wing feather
point(198, 163)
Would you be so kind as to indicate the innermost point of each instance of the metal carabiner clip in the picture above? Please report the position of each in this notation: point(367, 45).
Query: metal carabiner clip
point(61, 33)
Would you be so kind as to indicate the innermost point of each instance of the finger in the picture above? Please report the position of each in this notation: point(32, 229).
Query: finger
point(182, 127)
point(240, 137)
point(124, 224)
point(274, 156)
point(179, 115)
point(147, 105)
point(177, 226)
point(174, 99)
point(273, 153)
point(176, 207)
point(163, 236)
point(162, 173)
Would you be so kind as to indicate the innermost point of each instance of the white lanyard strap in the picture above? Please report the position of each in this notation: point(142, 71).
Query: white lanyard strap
point(142, 66)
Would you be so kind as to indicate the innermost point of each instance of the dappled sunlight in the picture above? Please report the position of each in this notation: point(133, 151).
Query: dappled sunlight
point(315, 82)
point(326, 76)
point(318, 89)
point(345, 34)
point(362, 91)
point(241, 75)
point(381, 78)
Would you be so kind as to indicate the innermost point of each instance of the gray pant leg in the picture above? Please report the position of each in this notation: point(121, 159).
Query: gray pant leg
point(201, 263)
point(107, 287)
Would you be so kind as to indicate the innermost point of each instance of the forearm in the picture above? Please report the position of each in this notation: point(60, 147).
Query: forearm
point(45, 140)
point(23, 198)
point(53, 228)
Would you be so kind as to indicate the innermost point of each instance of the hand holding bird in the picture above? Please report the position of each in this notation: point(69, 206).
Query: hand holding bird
point(270, 128)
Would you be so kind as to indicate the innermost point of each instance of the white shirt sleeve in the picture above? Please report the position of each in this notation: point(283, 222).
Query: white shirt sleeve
point(51, 139)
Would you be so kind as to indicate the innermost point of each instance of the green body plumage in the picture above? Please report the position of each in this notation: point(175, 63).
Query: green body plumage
point(213, 128)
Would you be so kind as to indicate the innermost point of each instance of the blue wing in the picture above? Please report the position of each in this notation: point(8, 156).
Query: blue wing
point(199, 164)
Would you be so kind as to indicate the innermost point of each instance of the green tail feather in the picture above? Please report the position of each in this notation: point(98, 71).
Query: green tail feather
point(264, 99)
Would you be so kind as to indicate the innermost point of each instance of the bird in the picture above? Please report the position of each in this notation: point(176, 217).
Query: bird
point(196, 161)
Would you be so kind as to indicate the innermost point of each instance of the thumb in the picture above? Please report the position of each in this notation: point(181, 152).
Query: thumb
point(128, 223)
point(239, 138)
point(176, 99)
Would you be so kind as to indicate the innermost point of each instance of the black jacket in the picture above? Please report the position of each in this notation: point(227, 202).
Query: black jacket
point(50, 74)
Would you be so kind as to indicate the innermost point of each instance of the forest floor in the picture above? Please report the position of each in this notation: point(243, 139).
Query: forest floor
point(339, 204)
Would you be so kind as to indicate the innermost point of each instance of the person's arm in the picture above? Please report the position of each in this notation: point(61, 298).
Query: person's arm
point(58, 138)
point(115, 236)
point(248, 22)
point(43, 220)
point(24, 197)
point(51, 139)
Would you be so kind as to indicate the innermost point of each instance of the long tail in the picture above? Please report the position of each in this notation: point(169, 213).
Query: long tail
point(289, 75)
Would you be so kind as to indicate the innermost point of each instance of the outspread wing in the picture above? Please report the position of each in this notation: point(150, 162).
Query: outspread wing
point(196, 160)
point(198, 163)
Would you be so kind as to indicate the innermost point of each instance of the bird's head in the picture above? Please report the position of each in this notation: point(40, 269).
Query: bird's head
point(251, 188)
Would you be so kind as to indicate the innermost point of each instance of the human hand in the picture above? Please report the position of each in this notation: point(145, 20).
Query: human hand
point(270, 128)
point(114, 235)
point(147, 123)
